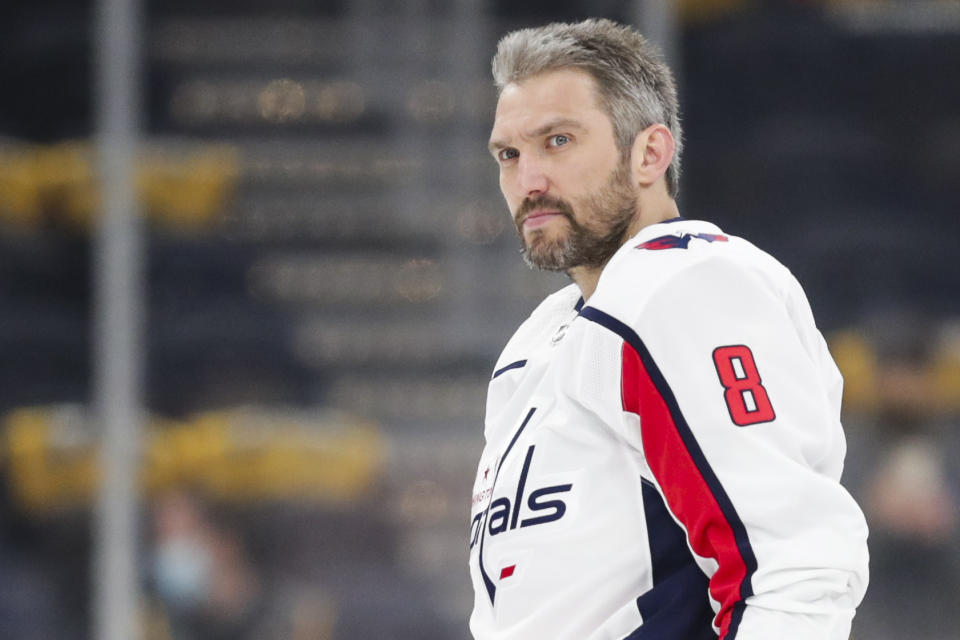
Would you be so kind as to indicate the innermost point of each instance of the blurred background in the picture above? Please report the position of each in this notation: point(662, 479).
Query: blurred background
point(330, 272)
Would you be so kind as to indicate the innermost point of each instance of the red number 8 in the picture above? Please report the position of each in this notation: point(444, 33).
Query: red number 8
point(747, 399)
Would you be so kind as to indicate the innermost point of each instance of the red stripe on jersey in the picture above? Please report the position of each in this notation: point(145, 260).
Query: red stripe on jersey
point(684, 486)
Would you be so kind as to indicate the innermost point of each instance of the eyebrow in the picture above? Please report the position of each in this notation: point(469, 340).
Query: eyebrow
point(559, 123)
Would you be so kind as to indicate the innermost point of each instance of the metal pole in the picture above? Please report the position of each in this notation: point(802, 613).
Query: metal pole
point(117, 326)
point(657, 20)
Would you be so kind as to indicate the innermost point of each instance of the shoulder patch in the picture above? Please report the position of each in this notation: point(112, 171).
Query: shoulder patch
point(679, 242)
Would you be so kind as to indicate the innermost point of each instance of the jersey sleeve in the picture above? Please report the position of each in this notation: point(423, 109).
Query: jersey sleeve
point(736, 400)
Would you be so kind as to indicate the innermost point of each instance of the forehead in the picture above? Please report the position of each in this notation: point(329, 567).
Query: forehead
point(558, 94)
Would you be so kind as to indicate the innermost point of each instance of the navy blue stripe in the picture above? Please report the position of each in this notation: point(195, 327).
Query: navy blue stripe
point(740, 608)
point(579, 305)
point(674, 608)
point(668, 546)
point(513, 441)
point(677, 608)
point(488, 583)
point(677, 219)
point(513, 365)
point(693, 448)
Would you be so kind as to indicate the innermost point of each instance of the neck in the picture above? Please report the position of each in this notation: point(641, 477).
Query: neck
point(587, 277)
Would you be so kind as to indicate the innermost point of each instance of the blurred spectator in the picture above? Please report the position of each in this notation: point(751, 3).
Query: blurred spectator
point(207, 585)
point(911, 504)
point(209, 588)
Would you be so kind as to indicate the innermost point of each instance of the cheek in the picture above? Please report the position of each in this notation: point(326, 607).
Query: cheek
point(509, 198)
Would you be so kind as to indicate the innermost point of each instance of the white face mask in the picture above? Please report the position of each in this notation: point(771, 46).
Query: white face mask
point(181, 573)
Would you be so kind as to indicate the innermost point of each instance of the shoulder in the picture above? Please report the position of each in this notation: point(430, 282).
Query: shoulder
point(685, 258)
point(557, 303)
point(554, 307)
point(543, 321)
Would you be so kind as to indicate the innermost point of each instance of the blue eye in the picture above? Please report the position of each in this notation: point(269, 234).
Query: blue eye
point(507, 154)
point(557, 140)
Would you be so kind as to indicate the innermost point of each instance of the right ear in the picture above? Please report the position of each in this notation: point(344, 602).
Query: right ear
point(651, 155)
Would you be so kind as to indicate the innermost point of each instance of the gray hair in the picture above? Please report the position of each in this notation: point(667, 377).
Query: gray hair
point(634, 83)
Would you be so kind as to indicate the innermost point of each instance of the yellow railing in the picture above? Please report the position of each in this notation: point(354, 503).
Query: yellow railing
point(57, 185)
point(239, 455)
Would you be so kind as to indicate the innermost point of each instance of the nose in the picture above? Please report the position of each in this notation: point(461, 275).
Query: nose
point(532, 179)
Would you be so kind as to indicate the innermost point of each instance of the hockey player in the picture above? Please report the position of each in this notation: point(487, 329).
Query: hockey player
point(663, 444)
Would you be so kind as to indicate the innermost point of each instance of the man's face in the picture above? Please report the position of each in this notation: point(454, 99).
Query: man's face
point(561, 172)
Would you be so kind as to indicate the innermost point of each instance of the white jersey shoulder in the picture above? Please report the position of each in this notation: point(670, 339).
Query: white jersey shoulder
point(540, 324)
point(648, 264)
point(647, 282)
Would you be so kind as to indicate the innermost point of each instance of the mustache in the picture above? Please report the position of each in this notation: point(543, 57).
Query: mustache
point(542, 202)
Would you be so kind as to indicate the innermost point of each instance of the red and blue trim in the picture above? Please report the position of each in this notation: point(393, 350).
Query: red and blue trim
point(679, 242)
point(691, 487)
point(674, 607)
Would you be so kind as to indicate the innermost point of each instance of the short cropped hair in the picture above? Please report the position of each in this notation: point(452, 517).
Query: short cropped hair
point(636, 87)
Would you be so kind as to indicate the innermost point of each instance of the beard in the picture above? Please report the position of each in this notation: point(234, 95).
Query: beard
point(606, 214)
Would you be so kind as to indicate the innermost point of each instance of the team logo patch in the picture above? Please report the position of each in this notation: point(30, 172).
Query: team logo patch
point(561, 331)
point(539, 506)
point(679, 242)
point(524, 508)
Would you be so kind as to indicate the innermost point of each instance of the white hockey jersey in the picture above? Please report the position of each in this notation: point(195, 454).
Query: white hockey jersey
point(663, 462)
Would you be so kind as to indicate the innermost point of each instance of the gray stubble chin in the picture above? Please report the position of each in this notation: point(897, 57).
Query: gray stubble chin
point(540, 253)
